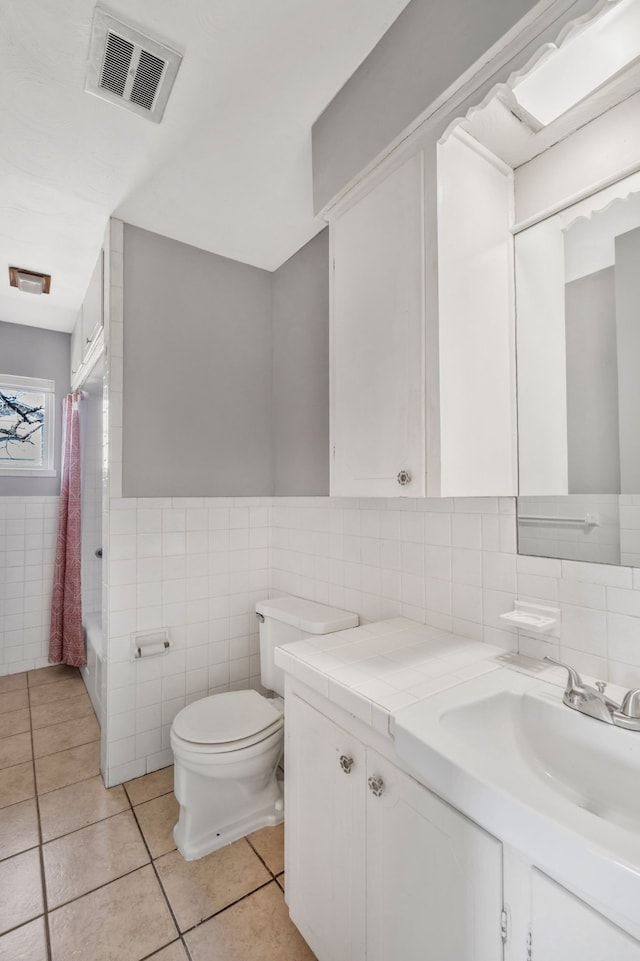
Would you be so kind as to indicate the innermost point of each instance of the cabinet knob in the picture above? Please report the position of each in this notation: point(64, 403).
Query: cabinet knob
point(376, 786)
point(346, 763)
point(404, 478)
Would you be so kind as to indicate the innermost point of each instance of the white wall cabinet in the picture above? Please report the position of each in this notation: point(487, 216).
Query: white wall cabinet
point(377, 338)
point(422, 346)
point(377, 866)
point(87, 335)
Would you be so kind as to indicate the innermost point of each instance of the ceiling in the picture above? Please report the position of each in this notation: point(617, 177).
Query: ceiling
point(229, 167)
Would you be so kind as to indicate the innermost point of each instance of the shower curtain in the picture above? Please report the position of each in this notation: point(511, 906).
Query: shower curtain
point(66, 642)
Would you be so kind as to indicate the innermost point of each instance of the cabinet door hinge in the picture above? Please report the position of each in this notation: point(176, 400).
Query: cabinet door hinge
point(504, 926)
point(529, 946)
point(334, 451)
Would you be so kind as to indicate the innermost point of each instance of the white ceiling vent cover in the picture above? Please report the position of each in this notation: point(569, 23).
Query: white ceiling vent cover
point(128, 68)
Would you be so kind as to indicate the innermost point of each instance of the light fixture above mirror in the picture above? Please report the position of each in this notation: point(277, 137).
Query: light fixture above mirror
point(590, 57)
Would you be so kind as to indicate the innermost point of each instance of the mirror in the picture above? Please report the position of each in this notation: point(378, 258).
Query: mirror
point(578, 335)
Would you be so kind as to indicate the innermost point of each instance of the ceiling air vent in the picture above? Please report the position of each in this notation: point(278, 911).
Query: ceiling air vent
point(128, 68)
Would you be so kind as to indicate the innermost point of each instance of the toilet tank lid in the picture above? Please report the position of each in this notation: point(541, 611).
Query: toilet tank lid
point(307, 615)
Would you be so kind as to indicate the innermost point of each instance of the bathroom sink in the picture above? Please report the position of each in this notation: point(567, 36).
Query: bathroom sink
point(558, 785)
point(587, 763)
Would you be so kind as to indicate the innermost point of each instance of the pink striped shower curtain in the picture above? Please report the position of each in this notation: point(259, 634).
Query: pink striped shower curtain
point(66, 642)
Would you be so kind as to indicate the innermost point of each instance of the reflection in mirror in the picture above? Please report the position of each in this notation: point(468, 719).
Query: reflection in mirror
point(602, 359)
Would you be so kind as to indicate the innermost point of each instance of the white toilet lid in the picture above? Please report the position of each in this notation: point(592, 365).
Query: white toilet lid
point(222, 718)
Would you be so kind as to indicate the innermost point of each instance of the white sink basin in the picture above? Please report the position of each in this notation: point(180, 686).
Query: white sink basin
point(558, 785)
point(587, 763)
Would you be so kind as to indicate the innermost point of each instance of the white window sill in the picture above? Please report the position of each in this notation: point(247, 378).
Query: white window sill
point(26, 472)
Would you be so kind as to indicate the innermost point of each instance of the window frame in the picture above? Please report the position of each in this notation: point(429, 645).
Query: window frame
point(13, 383)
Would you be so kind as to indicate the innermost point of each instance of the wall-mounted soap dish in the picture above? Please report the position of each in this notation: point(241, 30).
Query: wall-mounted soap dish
point(535, 622)
point(534, 618)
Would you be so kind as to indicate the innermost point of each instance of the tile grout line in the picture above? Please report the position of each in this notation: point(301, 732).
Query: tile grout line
point(260, 858)
point(155, 871)
point(71, 783)
point(45, 904)
point(92, 824)
point(231, 904)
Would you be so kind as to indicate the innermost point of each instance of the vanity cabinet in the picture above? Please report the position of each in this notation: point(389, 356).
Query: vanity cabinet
point(325, 833)
point(434, 878)
point(422, 326)
point(563, 926)
point(86, 338)
point(377, 866)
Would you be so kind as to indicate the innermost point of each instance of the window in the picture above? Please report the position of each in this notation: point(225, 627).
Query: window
point(26, 426)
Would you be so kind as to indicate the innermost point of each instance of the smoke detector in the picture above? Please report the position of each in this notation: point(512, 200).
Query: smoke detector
point(128, 68)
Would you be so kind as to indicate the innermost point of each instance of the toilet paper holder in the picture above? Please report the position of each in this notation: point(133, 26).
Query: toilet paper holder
point(149, 644)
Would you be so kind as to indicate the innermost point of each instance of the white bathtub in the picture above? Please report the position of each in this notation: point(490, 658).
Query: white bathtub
point(92, 673)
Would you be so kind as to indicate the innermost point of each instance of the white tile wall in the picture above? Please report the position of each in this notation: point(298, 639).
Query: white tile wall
point(28, 529)
point(453, 564)
point(196, 567)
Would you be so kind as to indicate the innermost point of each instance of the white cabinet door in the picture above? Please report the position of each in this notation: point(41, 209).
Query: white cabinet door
point(477, 390)
point(564, 927)
point(92, 309)
point(434, 879)
point(325, 834)
point(76, 349)
point(377, 339)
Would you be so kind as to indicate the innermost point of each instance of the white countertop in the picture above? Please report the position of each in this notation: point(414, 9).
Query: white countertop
point(374, 670)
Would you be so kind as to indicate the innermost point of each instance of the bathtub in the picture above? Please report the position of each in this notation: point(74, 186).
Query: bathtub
point(92, 673)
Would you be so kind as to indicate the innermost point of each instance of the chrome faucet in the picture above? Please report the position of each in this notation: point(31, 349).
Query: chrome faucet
point(593, 702)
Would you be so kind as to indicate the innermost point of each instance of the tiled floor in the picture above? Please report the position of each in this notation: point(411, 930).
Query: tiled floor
point(89, 874)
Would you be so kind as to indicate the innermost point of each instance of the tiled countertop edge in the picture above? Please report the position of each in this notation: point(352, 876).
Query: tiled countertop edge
point(374, 670)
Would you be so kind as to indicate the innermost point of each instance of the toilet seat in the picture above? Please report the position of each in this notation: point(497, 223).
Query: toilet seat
point(226, 722)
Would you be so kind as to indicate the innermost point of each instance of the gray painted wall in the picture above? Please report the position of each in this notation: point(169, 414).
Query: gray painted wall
point(627, 300)
point(301, 371)
point(248, 353)
point(197, 372)
point(34, 352)
point(424, 51)
point(592, 384)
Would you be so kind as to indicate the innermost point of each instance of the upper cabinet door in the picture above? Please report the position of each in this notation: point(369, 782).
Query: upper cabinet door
point(377, 339)
point(92, 308)
point(477, 384)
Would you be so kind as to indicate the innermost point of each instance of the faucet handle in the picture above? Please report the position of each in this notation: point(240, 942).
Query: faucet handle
point(574, 680)
point(630, 706)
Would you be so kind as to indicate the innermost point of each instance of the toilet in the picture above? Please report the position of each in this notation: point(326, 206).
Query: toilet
point(227, 747)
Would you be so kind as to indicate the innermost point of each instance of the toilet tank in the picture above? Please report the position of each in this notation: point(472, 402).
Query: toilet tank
point(287, 619)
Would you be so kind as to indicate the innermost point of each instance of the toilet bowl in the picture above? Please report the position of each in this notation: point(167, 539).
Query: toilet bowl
point(226, 750)
point(227, 747)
